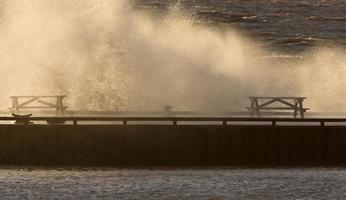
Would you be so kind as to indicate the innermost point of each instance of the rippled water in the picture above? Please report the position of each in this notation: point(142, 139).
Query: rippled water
point(315, 183)
point(287, 25)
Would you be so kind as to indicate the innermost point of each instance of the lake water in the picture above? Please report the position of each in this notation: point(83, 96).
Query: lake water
point(215, 183)
point(290, 26)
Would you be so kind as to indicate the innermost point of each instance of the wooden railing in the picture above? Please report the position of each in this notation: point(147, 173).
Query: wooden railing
point(176, 121)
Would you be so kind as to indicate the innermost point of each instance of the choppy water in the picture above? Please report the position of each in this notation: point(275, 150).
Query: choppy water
point(287, 25)
point(315, 183)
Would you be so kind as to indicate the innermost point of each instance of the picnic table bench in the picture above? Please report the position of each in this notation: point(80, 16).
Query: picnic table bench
point(38, 102)
point(277, 104)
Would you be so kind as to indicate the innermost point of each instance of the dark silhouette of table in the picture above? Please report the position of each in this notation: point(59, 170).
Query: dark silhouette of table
point(270, 104)
point(41, 102)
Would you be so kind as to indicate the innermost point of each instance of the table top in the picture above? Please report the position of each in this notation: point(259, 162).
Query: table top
point(52, 96)
point(278, 97)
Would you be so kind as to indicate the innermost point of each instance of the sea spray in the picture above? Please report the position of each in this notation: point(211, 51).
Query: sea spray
point(64, 47)
point(106, 56)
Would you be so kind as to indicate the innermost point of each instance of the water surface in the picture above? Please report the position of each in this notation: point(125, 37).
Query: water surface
point(290, 26)
point(216, 183)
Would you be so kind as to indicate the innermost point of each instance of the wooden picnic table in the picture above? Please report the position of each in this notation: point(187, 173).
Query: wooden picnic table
point(38, 102)
point(259, 103)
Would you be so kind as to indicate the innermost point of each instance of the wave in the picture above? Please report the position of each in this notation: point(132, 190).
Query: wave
point(321, 18)
point(227, 17)
point(298, 40)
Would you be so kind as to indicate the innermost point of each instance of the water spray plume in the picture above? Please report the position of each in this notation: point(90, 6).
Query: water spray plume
point(106, 56)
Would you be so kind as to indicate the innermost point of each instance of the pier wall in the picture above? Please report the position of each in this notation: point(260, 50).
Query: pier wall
point(160, 145)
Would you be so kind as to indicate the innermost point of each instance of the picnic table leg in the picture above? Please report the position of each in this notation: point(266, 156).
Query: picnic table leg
point(295, 110)
point(59, 106)
point(62, 107)
point(257, 108)
point(301, 109)
point(15, 104)
point(252, 108)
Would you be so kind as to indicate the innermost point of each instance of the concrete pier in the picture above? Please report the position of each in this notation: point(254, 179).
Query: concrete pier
point(167, 145)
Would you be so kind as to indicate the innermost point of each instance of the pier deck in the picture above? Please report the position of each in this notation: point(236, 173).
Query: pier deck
point(175, 121)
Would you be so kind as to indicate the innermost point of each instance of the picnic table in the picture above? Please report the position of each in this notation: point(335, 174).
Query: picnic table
point(277, 104)
point(38, 102)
